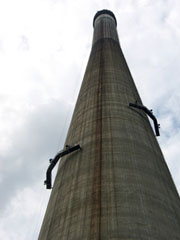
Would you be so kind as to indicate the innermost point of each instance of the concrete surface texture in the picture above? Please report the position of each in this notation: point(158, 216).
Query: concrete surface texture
point(118, 187)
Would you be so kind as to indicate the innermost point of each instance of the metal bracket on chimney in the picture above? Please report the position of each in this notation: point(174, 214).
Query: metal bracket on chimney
point(53, 162)
point(149, 113)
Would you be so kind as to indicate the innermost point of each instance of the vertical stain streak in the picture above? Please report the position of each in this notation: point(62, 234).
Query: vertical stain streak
point(95, 231)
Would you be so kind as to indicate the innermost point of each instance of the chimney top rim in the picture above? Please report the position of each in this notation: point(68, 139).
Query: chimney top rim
point(104, 11)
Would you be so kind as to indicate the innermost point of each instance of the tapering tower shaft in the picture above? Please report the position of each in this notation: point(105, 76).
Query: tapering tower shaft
point(118, 186)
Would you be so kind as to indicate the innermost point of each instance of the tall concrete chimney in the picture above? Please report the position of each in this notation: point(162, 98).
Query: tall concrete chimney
point(118, 187)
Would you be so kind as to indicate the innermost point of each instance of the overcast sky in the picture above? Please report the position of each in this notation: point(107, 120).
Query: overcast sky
point(44, 49)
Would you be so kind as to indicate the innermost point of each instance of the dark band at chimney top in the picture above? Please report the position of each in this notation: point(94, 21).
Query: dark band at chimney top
point(104, 12)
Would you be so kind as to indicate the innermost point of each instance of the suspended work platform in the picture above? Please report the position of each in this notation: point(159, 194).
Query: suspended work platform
point(69, 149)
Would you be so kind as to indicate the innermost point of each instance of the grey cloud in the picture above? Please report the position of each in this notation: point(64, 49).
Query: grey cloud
point(38, 140)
